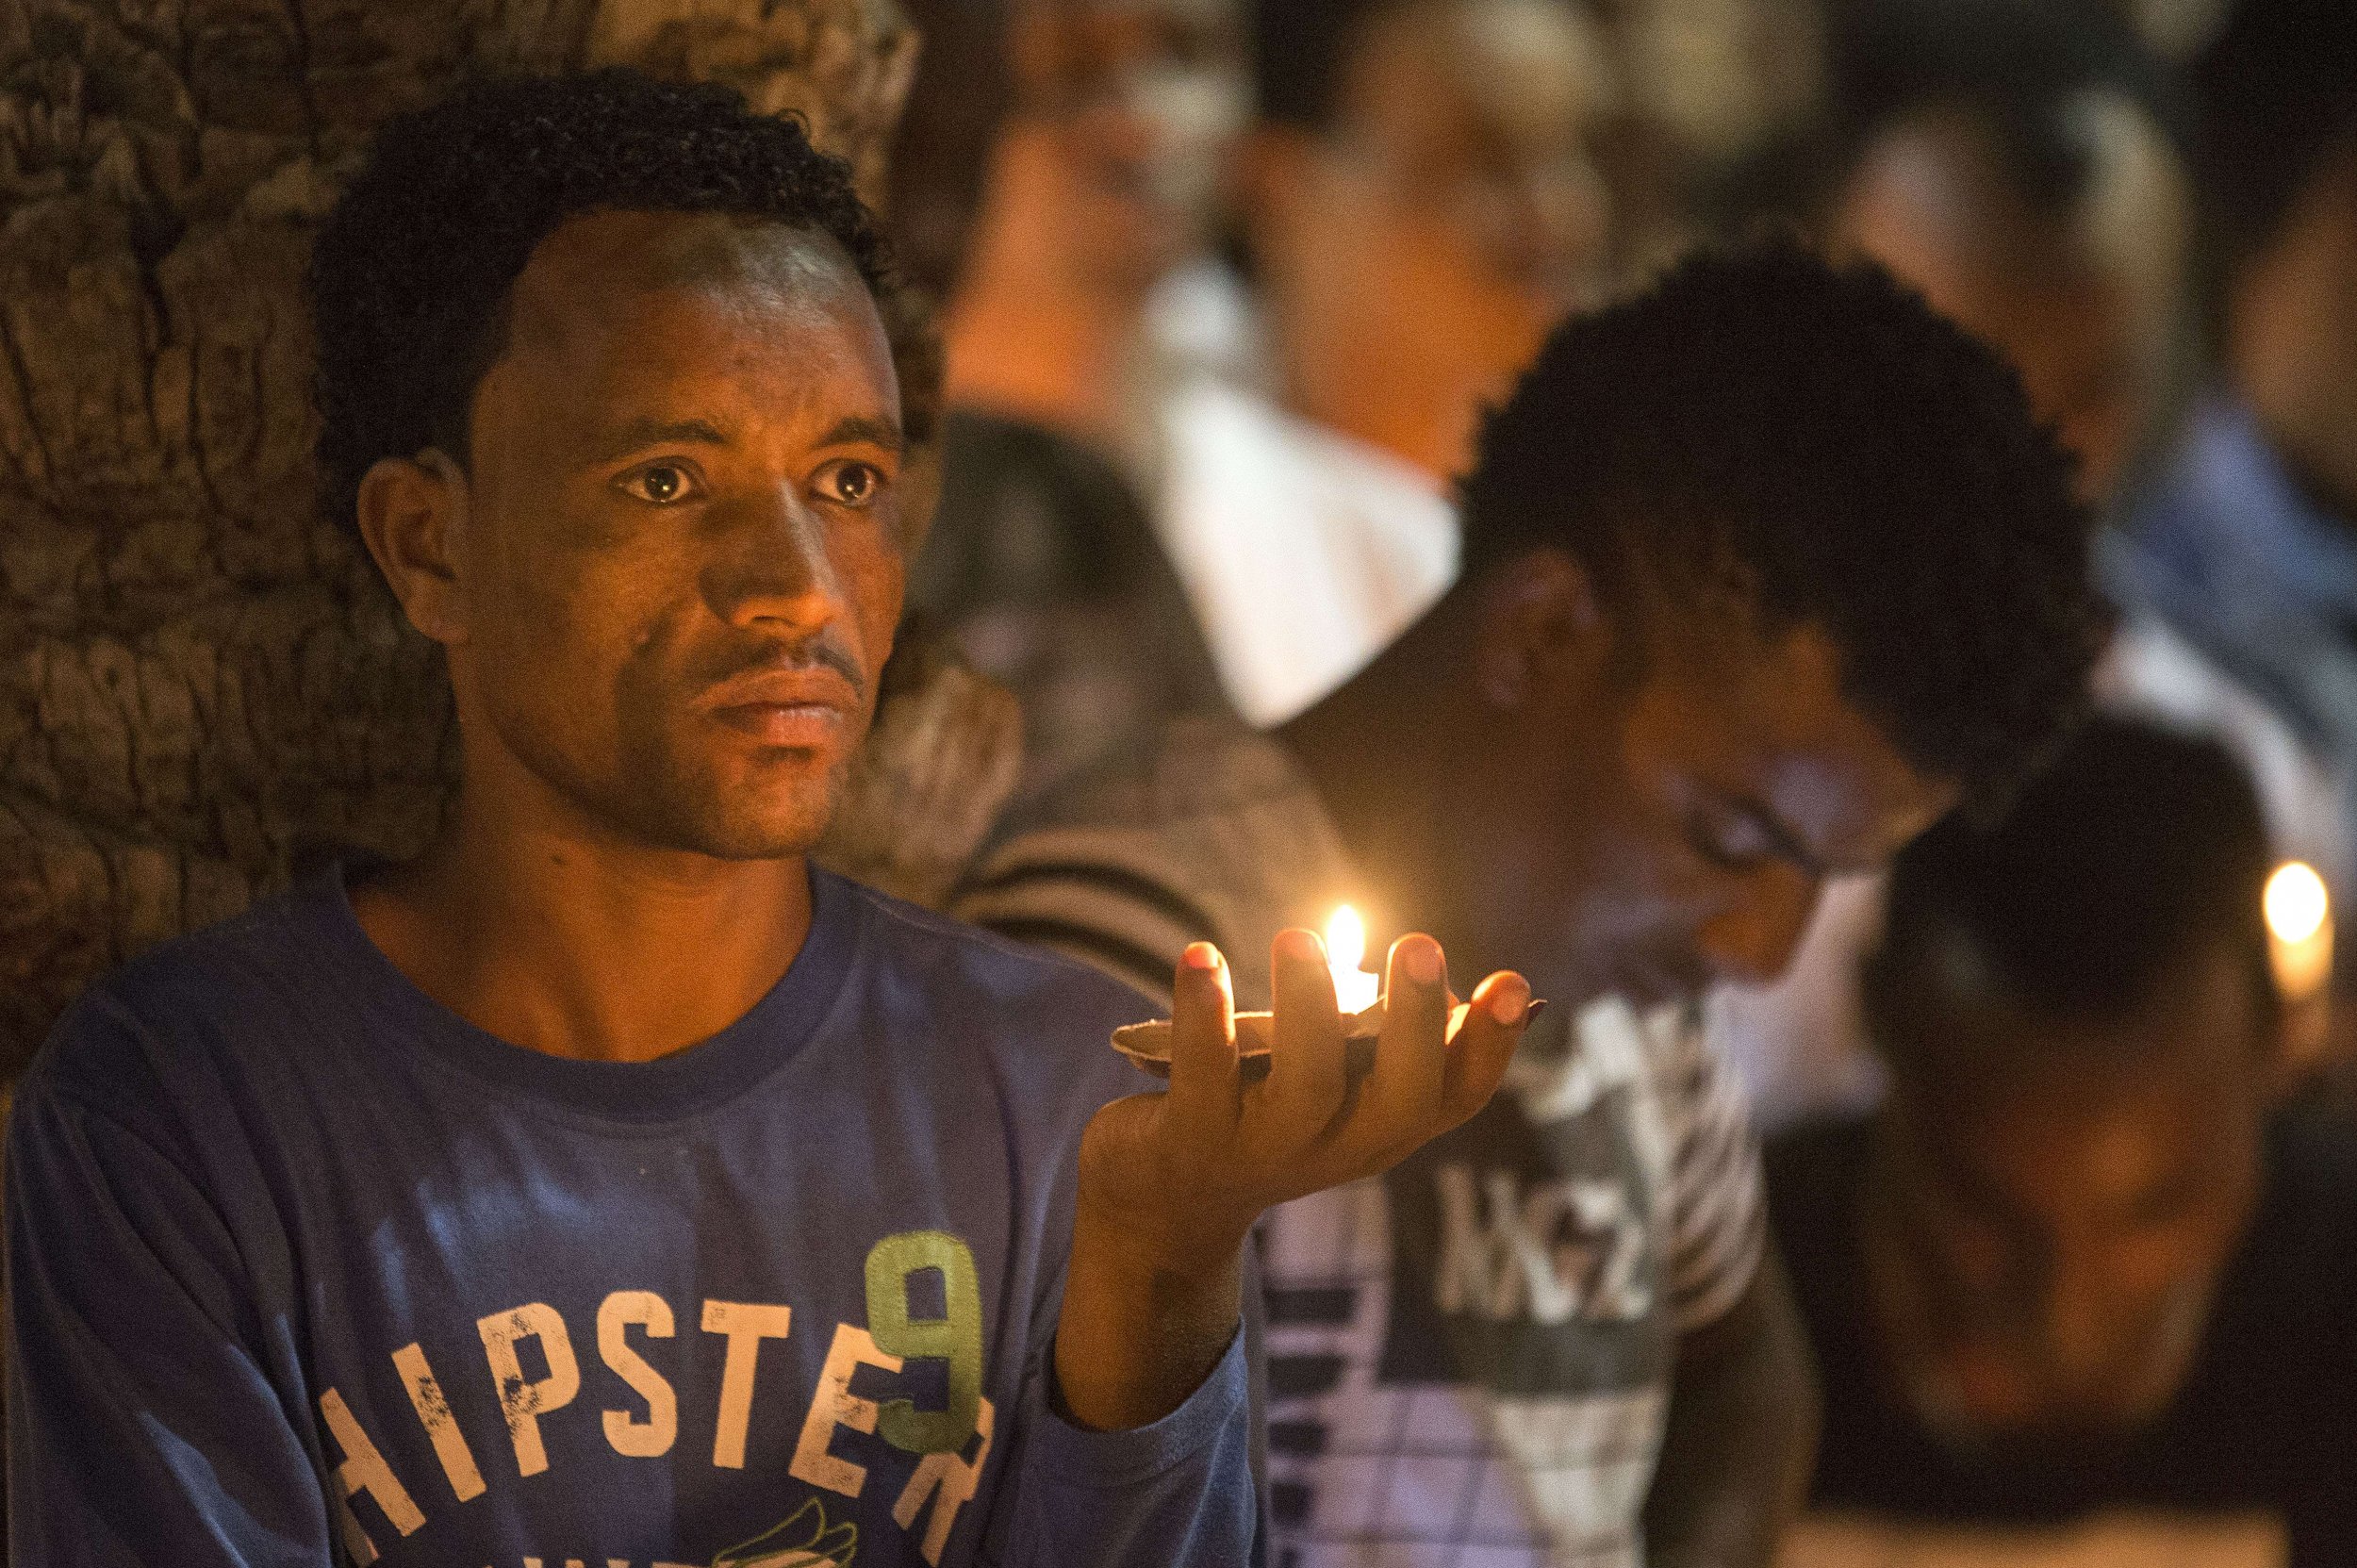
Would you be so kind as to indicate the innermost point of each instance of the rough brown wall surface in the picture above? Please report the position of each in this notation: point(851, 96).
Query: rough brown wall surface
point(202, 680)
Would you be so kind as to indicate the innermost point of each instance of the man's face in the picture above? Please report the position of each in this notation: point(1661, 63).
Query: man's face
point(1690, 809)
point(2085, 304)
point(678, 561)
point(2292, 332)
point(1453, 211)
point(2058, 1207)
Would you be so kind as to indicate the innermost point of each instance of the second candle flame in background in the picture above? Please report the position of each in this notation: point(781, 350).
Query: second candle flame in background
point(2299, 922)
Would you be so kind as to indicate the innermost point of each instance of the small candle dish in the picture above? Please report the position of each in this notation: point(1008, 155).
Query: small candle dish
point(1147, 1045)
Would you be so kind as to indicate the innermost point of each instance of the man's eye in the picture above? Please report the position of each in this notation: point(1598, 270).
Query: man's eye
point(660, 484)
point(850, 483)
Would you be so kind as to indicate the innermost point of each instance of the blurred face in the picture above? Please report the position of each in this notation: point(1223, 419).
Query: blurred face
point(1129, 111)
point(1448, 219)
point(673, 564)
point(2047, 1233)
point(1717, 778)
point(2292, 333)
point(2085, 304)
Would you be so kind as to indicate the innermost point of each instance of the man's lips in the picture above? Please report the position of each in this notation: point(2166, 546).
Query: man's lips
point(784, 707)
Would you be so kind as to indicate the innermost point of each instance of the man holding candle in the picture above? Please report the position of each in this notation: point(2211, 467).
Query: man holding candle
point(1765, 570)
point(607, 1184)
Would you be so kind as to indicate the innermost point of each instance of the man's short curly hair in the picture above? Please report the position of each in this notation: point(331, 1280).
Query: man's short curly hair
point(2137, 850)
point(409, 281)
point(1818, 435)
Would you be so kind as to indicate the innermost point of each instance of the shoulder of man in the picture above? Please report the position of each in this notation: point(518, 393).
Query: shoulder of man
point(1214, 835)
point(1030, 1029)
point(174, 1021)
point(986, 975)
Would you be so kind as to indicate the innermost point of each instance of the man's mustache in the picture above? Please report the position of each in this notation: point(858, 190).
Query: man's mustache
point(821, 652)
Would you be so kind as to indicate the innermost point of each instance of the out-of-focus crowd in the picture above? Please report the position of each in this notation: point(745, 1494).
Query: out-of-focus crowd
point(2059, 1171)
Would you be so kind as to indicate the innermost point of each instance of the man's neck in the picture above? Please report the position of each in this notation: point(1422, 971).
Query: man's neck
point(1407, 759)
point(540, 930)
point(1368, 751)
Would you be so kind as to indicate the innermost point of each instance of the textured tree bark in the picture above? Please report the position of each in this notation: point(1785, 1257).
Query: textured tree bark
point(203, 683)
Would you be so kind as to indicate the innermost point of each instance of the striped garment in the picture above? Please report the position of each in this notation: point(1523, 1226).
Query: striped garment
point(1470, 1358)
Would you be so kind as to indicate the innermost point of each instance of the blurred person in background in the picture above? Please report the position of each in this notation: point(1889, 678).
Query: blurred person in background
point(1102, 186)
point(2017, 161)
point(1420, 206)
point(1069, 282)
point(2089, 1260)
point(1766, 567)
point(2013, 161)
point(2238, 566)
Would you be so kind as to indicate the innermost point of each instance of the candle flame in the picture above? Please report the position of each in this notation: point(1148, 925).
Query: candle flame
point(1346, 940)
point(2296, 903)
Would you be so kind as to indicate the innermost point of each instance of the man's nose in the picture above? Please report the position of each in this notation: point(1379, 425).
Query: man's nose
point(1753, 941)
point(770, 569)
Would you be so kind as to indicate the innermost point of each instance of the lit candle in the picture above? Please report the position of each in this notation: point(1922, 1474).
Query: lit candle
point(1355, 990)
point(2300, 927)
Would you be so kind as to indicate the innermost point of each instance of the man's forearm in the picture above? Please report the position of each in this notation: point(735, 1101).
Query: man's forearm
point(1741, 1438)
point(1137, 1335)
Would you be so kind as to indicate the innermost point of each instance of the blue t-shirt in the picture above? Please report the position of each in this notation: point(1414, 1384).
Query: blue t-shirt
point(303, 1267)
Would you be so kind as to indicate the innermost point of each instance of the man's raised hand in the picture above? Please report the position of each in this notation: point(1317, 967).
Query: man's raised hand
point(1170, 1183)
point(1187, 1172)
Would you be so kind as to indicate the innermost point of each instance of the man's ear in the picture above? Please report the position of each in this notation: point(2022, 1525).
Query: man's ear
point(413, 516)
point(1541, 625)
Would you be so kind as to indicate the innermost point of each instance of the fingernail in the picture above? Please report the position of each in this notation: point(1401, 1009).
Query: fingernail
point(1509, 1003)
point(1200, 955)
point(1421, 957)
point(1301, 945)
point(1530, 1014)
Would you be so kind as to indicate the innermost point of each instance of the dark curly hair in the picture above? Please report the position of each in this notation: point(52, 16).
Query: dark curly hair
point(409, 281)
point(1817, 435)
point(2137, 852)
